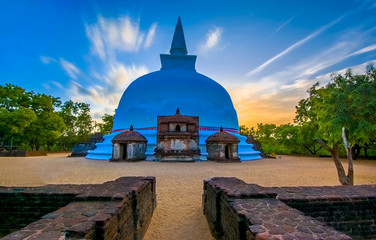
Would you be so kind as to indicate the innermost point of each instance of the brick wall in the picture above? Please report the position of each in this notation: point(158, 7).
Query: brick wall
point(351, 210)
point(19, 209)
point(236, 210)
point(120, 209)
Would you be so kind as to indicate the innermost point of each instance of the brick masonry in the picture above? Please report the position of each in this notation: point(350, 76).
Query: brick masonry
point(236, 210)
point(120, 209)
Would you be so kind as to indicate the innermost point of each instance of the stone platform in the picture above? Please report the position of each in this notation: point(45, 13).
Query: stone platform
point(236, 210)
point(120, 209)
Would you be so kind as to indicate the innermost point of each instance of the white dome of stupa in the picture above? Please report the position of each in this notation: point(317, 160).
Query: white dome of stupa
point(160, 93)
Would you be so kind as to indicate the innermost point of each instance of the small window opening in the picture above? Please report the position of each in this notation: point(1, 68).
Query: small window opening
point(177, 128)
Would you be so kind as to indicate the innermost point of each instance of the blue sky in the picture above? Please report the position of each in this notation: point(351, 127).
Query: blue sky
point(265, 53)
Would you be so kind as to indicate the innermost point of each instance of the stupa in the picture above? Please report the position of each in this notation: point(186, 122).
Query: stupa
point(176, 84)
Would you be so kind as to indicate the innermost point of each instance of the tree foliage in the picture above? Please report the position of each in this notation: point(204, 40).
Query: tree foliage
point(282, 139)
point(78, 123)
point(106, 126)
point(348, 102)
point(39, 121)
point(47, 127)
point(15, 115)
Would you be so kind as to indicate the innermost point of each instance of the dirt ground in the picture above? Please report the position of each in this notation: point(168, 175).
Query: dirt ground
point(179, 185)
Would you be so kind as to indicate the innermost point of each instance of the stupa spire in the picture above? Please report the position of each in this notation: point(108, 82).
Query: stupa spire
point(178, 46)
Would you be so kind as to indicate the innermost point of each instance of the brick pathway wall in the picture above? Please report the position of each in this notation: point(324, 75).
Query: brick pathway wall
point(236, 210)
point(120, 209)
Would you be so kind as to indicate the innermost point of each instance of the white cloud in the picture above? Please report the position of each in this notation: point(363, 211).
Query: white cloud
point(292, 47)
point(364, 50)
point(46, 60)
point(108, 35)
point(282, 26)
point(212, 39)
point(104, 96)
point(69, 68)
point(97, 45)
point(52, 85)
point(150, 36)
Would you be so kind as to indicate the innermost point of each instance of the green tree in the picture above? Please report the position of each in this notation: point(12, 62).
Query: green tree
point(106, 126)
point(308, 128)
point(266, 135)
point(13, 122)
point(15, 114)
point(288, 136)
point(78, 123)
point(348, 103)
point(48, 126)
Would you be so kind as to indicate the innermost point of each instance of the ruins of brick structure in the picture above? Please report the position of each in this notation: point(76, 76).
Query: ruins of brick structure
point(129, 146)
point(120, 209)
point(236, 210)
point(177, 138)
point(80, 149)
point(222, 147)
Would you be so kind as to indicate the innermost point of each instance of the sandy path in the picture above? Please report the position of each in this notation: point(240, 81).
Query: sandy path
point(179, 185)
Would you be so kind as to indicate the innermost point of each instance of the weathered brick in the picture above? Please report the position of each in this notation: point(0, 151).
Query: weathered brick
point(119, 209)
point(282, 212)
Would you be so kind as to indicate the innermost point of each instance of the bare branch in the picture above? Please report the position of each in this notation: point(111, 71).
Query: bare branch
point(347, 145)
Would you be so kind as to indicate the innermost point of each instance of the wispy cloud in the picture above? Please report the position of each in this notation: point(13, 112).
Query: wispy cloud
point(212, 39)
point(97, 45)
point(53, 84)
point(109, 37)
point(104, 94)
point(46, 59)
point(279, 92)
point(69, 68)
point(103, 86)
point(150, 36)
point(282, 26)
point(364, 50)
point(120, 34)
point(292, 47)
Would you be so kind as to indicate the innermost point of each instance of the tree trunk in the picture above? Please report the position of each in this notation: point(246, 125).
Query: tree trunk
point(350, 168)
point(343, 178)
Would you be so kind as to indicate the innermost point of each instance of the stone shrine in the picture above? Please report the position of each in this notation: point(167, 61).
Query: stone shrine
point(177, 138)
point(222, 147)
point(129, 146)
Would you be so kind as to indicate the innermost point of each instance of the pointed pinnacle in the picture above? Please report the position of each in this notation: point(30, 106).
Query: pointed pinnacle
point(178, 46)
